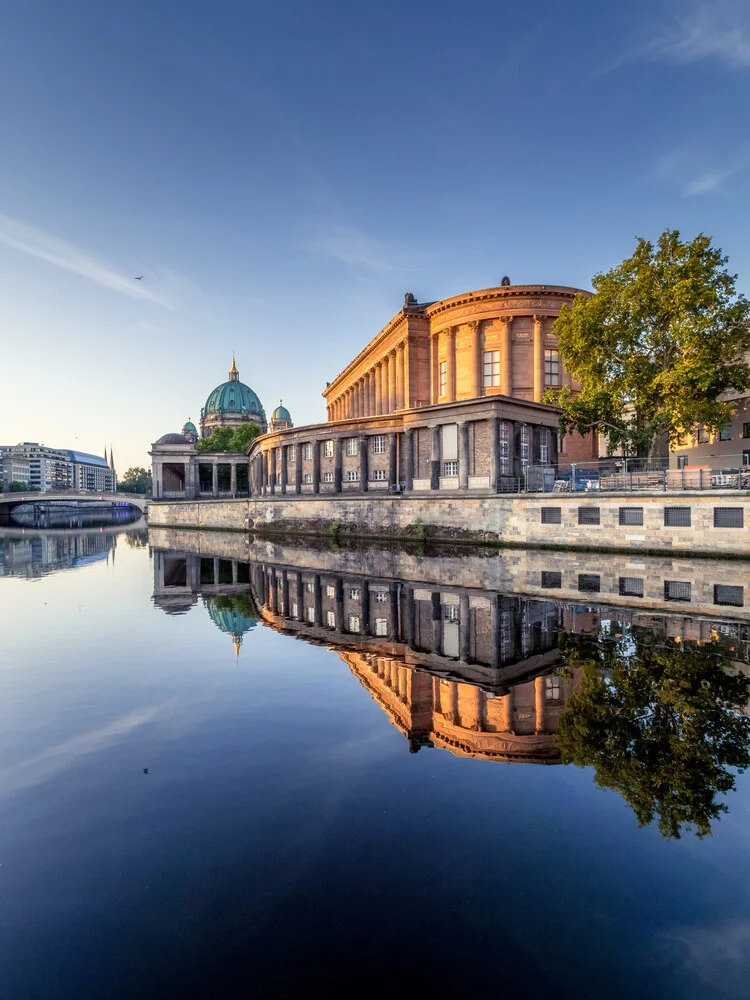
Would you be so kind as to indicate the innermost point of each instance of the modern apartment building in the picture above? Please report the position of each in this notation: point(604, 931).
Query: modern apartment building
point(51, 469)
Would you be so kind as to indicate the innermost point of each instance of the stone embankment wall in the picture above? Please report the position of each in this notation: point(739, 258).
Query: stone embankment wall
point(716, 523)
point(508, 571)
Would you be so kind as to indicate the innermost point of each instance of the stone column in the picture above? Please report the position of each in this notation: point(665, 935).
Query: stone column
point(214, 480)
point(337, 463)
point(364, 617)
point(506, 360)
point(450, 367)
point(435, 458)
point(434, 381)
point(300, 598)
point(317, 600)
point(298, 466)
point(408, 460)
point(339, 603)
point(400, 377)
point(539, 704)
point(233, 479)
point(393, 629)
point(392, 467)
point(437, 622)
point(284, 467)
point(475, 354)
point(379, 387)
point(552, 451)
point(408, 616)
point(506, 720)
point(216, 570)
point(464, 621)
point(316, 467)
point(373, 381)
point(363, 465)
point(463, 454)
point(495, 631)
point(272, 474)
point(392, 405)
point(538, 358)
point(407, 375)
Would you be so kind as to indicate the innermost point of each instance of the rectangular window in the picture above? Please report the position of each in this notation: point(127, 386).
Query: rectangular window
point(378, 475)
point(378, 444)
point(331, 619)
point(746, 457)
point(307, 450)
point(677, 517)
point(310, 587)
point(330, 590)
point(551, 368)
point(504, 443)
point(552, 688)
point(590, 583)
point(732, 596)
point(354, 594)
point(746, 430)
point(491, 368)
point(450, 612)
point(351, 446)
point(725, 434)
point(381, 597)
point(676, 590)
point(450, 468)
point(631, 515)
point(327, 477)
point(551, 578)
point(588, 515)
point(308, 477)
point(551, 515)
point(291, 455)
point(443, 369)
point(328, 449)
point(729, 517)
point(354, 623)
point(631, 586)
point(352, 476)
point(381, 626)
point(310, 615)
point(703, 436)
point(523, 446)
point(295, 610)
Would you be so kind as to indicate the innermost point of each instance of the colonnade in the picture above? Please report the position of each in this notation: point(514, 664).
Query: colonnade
point(382, 389)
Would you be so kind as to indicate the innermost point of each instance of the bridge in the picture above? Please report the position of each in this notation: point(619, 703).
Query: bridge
point(81, 501)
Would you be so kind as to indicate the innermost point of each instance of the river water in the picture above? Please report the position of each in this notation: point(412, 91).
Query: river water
point(256, 772)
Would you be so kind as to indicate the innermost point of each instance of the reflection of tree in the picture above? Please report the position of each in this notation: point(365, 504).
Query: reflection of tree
point(236, 602)
point(137, 539)
point(659, 721)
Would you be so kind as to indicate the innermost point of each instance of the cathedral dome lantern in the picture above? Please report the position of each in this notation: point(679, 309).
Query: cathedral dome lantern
point(190, 431)
point(231, 404)
point(281, 418)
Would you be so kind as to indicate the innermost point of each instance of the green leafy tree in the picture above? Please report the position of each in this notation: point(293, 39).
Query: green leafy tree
point(661, 723)
point(16, 486)
point(656, 348)
point(230, 438)
point(134, 480)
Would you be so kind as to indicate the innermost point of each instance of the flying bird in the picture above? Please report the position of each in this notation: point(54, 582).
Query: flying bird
point(138, 278)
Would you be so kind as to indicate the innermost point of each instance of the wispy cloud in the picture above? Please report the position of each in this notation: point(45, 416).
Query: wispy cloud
point(352, 247)
point(715, 958)
point(689, 169)
point(45, 246)
point(718, 30)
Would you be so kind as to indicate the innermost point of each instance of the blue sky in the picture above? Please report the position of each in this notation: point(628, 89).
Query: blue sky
point(281, 174)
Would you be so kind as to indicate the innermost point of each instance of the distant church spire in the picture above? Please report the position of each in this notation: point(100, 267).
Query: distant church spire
point(111, 458)
point(105, 454)
point(234, 375)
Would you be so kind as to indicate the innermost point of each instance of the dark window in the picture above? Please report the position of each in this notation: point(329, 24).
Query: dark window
point(724, 594)
point(631, 586)
point(588, 515)
point(676, 590)
point(589, 582)
point(681, 461)
point(729, 517)
point(746, 430)
point(551, 515)
point(746, 457)
point(677, 517)
point(551, 579)
point(631, 515)
point(725, 434)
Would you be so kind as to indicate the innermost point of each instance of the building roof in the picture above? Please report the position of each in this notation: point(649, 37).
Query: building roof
point(173, 439)
point(233, 397)
point(189, 426)
point(281, 413)
point(81, 458)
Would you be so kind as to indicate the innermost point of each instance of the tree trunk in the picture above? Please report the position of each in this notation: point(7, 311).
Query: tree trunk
point(658, 452)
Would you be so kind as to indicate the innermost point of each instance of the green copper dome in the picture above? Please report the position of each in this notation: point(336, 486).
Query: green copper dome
point(233, 397)
point(190, 426)
point(281, 413)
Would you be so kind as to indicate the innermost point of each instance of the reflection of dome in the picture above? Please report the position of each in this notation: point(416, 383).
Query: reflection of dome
point(233, 615)
point(173, 439)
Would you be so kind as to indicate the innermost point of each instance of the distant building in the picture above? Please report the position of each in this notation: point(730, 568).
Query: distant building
point(729, 449)
point(281, 419)
point(51, 469)
point(232, 404)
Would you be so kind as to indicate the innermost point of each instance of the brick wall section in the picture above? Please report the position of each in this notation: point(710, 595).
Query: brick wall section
point(513, 519)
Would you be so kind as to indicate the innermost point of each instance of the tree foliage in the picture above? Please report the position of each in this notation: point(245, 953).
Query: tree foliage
point(16, 486)
point(134, 480)
point(230, 438)
point(656, 347)
point(661, 723)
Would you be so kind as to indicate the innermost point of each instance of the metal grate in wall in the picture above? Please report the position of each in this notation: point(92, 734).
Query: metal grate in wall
point(551, 515)
point(677, 517)
point(676, 590)
point(588, 515)
point(631, 586)
point(729, 517)
point(589, 582)
point(732, 596)
point(551, 579)
point(631, 515)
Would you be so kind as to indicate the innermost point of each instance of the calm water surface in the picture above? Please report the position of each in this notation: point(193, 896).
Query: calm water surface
point(195, 804)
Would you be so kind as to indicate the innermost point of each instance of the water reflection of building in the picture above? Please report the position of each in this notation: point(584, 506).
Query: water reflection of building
point(33, 555)
point(233, 615)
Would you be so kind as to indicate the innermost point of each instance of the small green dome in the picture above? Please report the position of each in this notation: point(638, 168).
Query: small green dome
point(190, 426)
point(281, 413)
point(233, 397)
